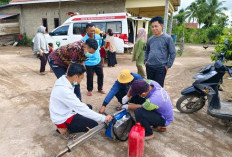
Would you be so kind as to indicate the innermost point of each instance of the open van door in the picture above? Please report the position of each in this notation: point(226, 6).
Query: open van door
point(133, 24)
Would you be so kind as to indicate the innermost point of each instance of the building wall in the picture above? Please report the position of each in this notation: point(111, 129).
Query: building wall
point(10, 10)
point(32, 14)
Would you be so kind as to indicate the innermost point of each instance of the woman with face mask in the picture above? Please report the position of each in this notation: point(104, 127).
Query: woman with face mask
point(76, 52)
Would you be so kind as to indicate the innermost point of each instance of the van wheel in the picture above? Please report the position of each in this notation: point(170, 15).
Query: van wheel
point(190, 103)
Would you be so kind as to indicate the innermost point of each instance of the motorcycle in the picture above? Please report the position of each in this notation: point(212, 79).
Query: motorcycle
point(205, 87)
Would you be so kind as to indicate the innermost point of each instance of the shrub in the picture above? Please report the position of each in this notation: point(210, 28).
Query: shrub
point(24, 40)
point(221, 47)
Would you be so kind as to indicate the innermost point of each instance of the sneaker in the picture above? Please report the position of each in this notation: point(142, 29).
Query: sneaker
point(101, 91)
point(89, 93)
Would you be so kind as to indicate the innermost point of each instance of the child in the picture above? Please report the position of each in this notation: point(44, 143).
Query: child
point(51, 48)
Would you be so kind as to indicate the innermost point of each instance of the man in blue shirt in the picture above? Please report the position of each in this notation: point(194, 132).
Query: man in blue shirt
point(93, 64)
point(120, 89)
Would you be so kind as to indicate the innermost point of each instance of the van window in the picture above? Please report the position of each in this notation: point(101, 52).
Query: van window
point(79, 28)
point(115, 26)
point(100, 25)
point(61, 31)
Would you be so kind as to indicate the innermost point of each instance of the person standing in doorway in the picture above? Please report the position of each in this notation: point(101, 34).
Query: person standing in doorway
point(139, 48)
point(111, 48)
point(41, 48)
point(93, 64)
point(160, 52)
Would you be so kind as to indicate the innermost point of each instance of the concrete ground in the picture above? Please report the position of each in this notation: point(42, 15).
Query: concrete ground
point(27, 130)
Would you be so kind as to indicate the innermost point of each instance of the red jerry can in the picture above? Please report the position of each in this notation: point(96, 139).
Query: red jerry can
point(136, 141)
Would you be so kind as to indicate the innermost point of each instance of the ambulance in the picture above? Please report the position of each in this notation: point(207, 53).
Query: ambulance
point(124, 27)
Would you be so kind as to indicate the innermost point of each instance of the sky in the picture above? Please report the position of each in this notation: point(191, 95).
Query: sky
point(227, 3)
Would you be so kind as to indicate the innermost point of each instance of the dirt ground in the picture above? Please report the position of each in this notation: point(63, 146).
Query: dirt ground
point(27, 131)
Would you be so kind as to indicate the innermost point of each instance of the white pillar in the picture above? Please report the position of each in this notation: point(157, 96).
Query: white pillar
point(170, 24)
point(166, 16)
point(140, 24)
point(147, 26)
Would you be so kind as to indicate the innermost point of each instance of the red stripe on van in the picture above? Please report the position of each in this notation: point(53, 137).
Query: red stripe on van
point(99, 18)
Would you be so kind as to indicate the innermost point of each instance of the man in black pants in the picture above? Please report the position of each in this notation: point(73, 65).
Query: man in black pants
point(156, 111)
point(67, 112)
point(160, 52)
point(93, 65)
point(77, 52)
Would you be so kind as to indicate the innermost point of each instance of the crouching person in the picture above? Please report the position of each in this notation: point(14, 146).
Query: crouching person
point(156, 111)
point(67, 112)
point(120, 89)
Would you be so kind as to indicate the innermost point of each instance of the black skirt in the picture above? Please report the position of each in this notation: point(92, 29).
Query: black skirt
point(111, 58)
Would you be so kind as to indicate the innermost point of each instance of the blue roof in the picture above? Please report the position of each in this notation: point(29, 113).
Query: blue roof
point(3, 16)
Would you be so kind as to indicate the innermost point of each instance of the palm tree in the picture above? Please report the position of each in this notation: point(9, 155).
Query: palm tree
point(181, 16)
point(214, 11)
point(196, 11)
point(191, 11)
point(222, 20)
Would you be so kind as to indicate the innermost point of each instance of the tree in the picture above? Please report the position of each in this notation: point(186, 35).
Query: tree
point(191, 11)
point(222, 20)
point(221, 47)
point(213, 12)
point(4, 2)
point(181, 17)
point(214, 32)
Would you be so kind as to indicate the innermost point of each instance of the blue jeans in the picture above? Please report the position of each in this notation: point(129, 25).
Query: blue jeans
point(59, 71)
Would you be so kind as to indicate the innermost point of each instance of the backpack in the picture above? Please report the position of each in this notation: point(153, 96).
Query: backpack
point(120, 126)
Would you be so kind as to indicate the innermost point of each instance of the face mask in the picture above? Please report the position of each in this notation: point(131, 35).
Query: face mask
point(88, 54)
point(142, 96)
point(74, 83)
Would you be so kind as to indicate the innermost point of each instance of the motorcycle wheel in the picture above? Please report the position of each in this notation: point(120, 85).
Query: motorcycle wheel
point(190, 103)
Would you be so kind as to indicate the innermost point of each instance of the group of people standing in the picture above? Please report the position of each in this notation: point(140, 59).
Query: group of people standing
point(151, 102)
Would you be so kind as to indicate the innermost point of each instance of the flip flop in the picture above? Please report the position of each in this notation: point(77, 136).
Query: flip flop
point(160, 129)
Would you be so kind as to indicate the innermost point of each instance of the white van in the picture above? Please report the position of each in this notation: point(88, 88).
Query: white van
point(123, 25)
